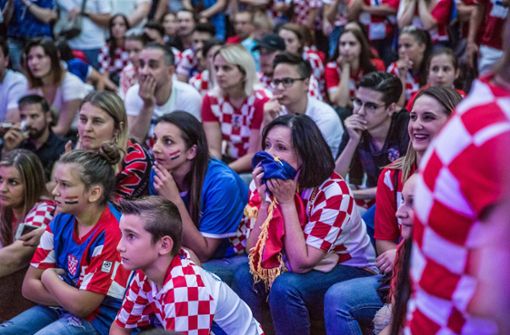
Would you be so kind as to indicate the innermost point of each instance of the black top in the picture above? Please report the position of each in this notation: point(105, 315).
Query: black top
point(49, 152)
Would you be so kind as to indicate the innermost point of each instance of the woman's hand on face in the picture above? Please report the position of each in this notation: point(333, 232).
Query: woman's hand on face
point(283, 190)
point(258, 174)
point(404, 65)
point(165, 184)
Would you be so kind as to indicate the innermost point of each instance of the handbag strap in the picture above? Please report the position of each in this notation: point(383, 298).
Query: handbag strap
point(83, 4)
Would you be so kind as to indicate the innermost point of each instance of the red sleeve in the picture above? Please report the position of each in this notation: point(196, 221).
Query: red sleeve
point(207, 114)
point(385, 224)
point(441, 11)
point(331, 75)
point(378, 64)
point(410, 103)
point(258, 115)
point(392, 3)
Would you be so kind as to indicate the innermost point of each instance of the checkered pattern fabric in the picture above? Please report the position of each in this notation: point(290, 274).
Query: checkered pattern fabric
point(119, 61)
point(177, 55)
point(412, 85)
point(388, 199)
point(41, 213)
point(492, 26)
point(128, 78)
point(188, 63)
point(200, 81)
point(441, 14)
point(317, 65)
point(461, 177)
point(184, 304)
point(379, 27)
point(332, 76)
point(302, 9)
point(236, 124)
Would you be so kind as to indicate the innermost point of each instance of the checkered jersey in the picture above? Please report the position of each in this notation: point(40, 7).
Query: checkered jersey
point(333, 78)
point(200, 81)
point(188, 63)
point(41, 213)
point(302, 9)
point(412, 83)
point(492, 26)
point(188, 302)
point(317, 65)
point(379, 27)
point(236, 124)
point(461, 177)
point(108, 64)
point(441, 13)
point(128, 78)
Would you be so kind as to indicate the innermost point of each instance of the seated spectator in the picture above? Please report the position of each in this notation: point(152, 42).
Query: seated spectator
point(244, 27)
point(186, 21)
point(152, 230)
point(153, 32)
point(233, 111)
point(292, 270)
point(78, 283)
point(376, 134)
point(157, 93)
point(411, 67)
point(290, 85)
point(352, 60)
point(169, 22)
point(113, 56)
point(129, 75)
point(210, 196)
point(24, 207)
point(35, 134)
point(103, 119)
point(47, 77)
point(13, 86)
point(204, 81)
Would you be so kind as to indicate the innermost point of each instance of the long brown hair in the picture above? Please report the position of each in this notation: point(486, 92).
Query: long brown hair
point(365, 56)
point(50, 49)
point(34, 187)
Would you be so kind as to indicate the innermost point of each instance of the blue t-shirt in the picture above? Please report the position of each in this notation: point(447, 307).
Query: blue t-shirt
point(224, 196)
point(24, 24)
point(79, 68)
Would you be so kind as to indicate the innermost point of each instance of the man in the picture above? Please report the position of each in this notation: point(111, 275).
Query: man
point(36, 136)
point(13, 86)
point(186, 21)
point(290, 87)
point(463, 186)
point(244, 27)
point(376, 134)
point(157, 93)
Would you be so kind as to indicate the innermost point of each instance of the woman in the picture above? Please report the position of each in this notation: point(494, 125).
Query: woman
point(24, 207)
point(411, 67)
point(48, 78)
point(103, 119)
point(113, 56)
point(129, 75)
point(325, 241)
point(352, 60)
point(350, 303)
point(209, 195)
point(234, 110)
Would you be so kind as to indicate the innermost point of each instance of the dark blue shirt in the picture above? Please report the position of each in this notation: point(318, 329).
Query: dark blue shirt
point(25, 25)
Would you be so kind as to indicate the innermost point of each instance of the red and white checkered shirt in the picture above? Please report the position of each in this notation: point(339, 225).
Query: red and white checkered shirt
point(200, 81)
point(491, 30)
point(236, 124)
point(379, 27)
point(128, 78)
point(188, 302)
point(412, 85)
point(41, 213)
point(461, 177)
point(302, 9)
point(188, 63)
point(441, 13)
point(312, 57)
point(108, 64)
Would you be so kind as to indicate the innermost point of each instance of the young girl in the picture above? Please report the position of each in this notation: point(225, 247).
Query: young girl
point(233, 111)
point(113, 56)
point(210, 196)
point(76, 268)
point(411, 67)
point(103, 119)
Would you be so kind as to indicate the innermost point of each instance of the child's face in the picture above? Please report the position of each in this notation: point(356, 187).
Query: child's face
point(69, 192)
point(405, 213)
point(135, 247)
point(442, 71)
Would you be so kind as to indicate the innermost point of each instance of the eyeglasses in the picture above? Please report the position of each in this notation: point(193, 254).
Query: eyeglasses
point(287, 82)
point(369, 106)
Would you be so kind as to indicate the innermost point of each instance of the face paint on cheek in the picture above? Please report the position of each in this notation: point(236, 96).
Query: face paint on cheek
point(174, 155)
point(71, 200)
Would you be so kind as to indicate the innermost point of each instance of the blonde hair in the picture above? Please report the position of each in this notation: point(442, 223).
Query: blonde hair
point(235, 54)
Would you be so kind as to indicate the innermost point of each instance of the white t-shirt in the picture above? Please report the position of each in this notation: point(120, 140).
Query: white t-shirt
point(127, 7)
point(92, 35)
point(328, 122)
point(184, 97)
point(12, 88)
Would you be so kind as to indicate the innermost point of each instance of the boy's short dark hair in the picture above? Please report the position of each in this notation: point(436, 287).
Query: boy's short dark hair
point(386, 83)
point(161, 218)
point(205, 27)
point(168, 54)
point(34, 99)
point(303, 67)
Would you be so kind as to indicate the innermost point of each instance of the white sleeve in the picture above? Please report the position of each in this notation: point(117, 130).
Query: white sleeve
point(73, 88)
point(191, 102)
point(16, 91)
point(104, 7)
point(132, 102)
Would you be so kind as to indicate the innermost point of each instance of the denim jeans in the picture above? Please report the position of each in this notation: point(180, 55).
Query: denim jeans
point(15, 51)
point(294, 299)
point(42, 320)
point(225, 267)
point(348, 303)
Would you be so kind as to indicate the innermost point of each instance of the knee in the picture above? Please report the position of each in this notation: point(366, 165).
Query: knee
point(242, 278)
point(285, 287)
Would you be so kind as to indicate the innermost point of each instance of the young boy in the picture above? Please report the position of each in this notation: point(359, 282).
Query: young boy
point(181, 295)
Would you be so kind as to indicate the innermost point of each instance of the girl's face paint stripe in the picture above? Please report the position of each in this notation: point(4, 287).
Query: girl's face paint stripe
point(71, 200)
point(174, 155)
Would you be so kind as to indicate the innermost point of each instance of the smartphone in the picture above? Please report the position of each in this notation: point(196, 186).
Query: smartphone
point(24, 228)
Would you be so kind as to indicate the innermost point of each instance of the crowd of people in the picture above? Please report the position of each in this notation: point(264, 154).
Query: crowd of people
point(254, 167)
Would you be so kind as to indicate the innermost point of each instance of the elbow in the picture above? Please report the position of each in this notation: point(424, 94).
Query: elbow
point(301, 267)
point(80, 310)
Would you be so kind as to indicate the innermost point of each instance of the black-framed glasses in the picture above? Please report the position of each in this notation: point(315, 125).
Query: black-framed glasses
point(369, 106)
point(287, 82)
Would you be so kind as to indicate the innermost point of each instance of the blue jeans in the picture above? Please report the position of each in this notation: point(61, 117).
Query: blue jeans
point(348, 303)
point(294, 298)
point(225, 267)
point(42, 320)
point(15, 51)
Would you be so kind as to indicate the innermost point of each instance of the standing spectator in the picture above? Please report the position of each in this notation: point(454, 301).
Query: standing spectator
point(136, 11)
point(157, 93)
point(26, 19)
point(244, 27)
point(233, 112)
point(211, 11)
point(113, 56)
point(95, 18)
point(13, 86)
point(470, 154)
point(186, 21)
point(48, 78)
point(334, 20)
